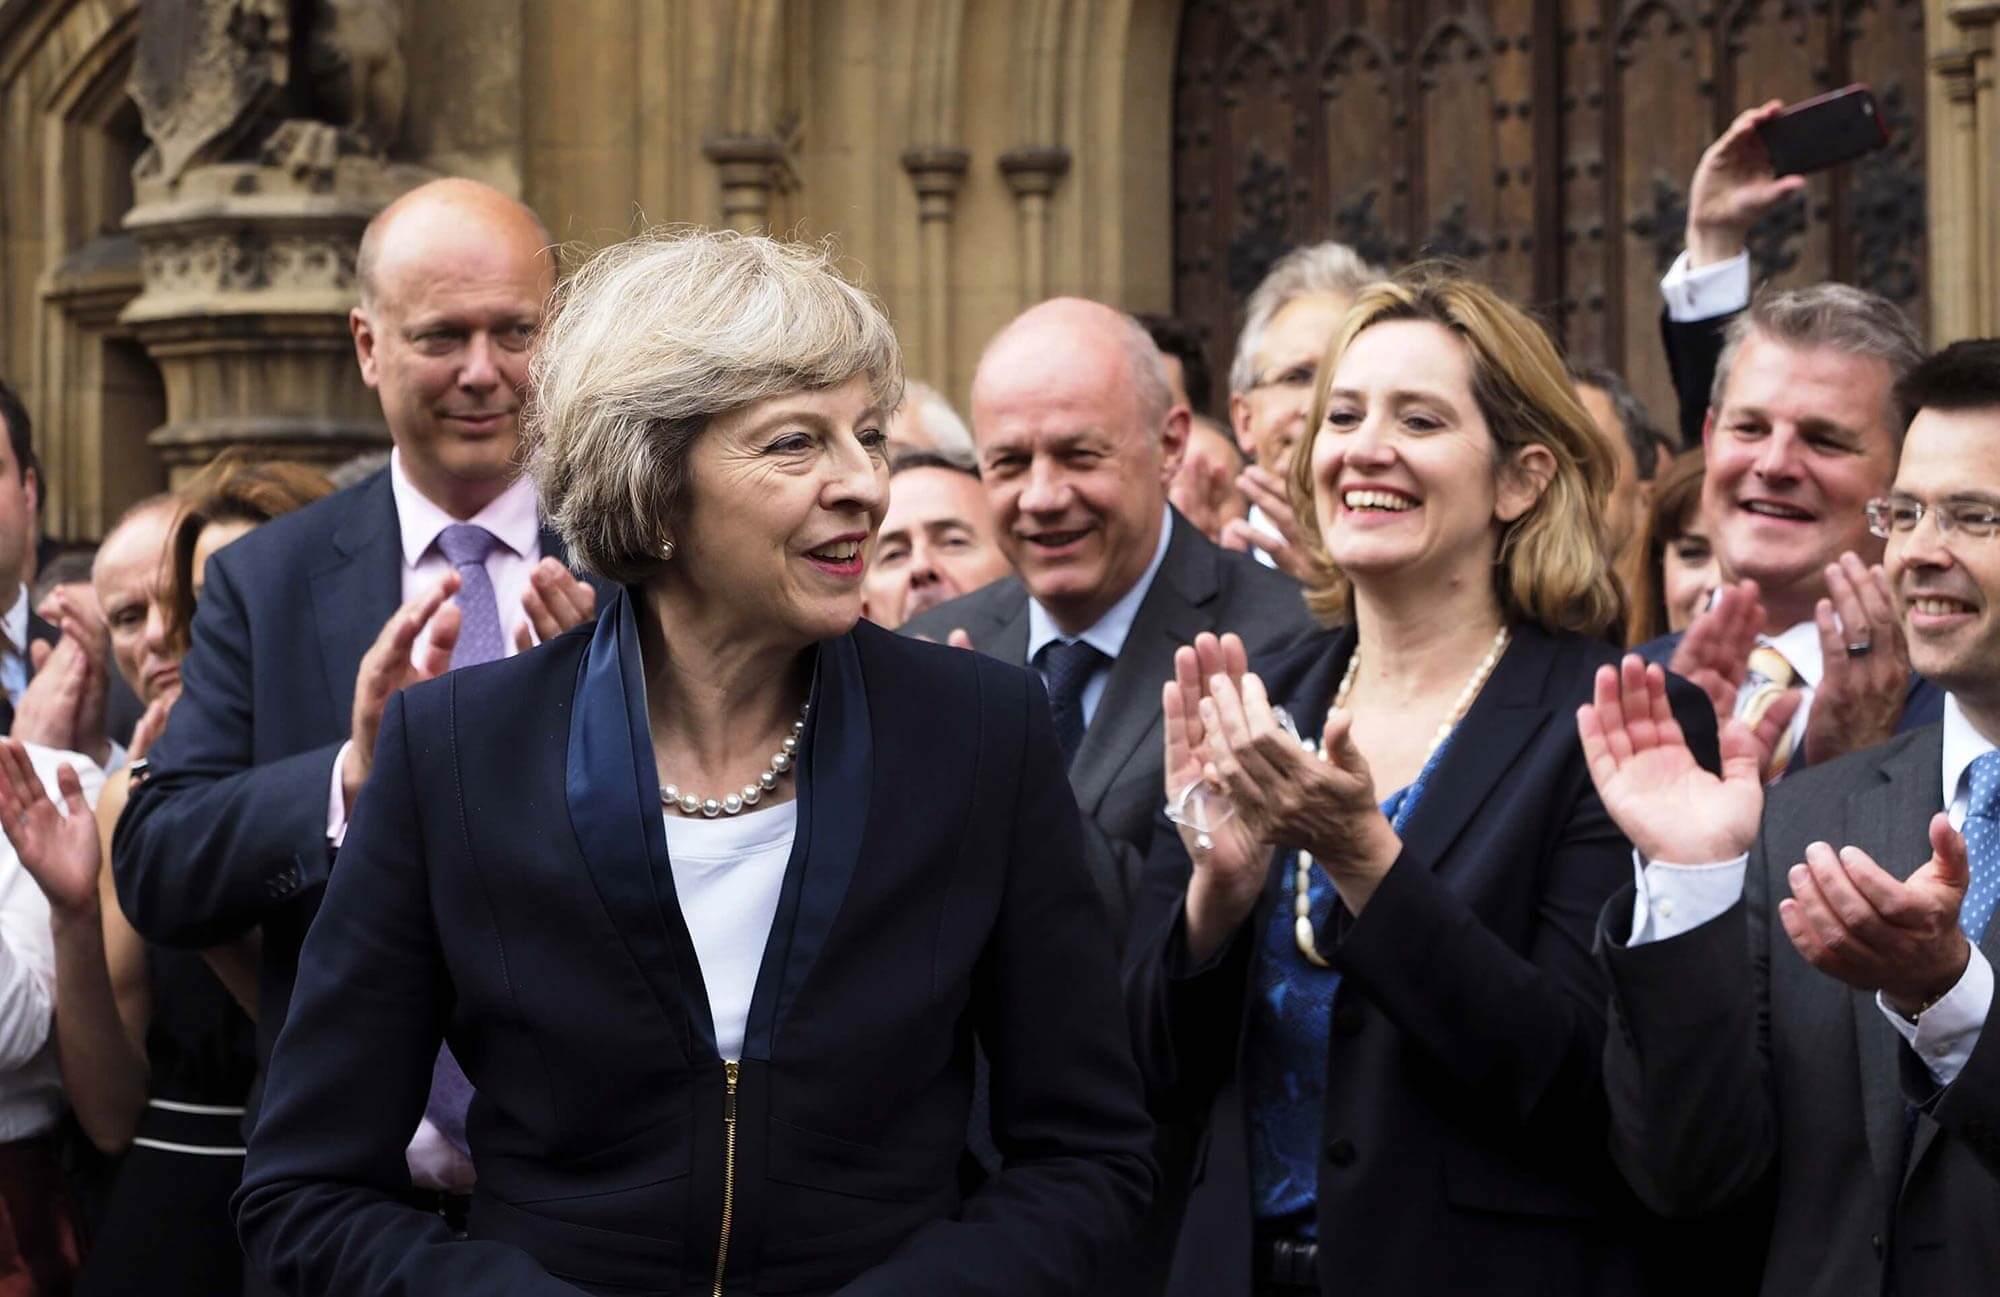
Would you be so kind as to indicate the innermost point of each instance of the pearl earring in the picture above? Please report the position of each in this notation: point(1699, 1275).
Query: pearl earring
point(666, 551)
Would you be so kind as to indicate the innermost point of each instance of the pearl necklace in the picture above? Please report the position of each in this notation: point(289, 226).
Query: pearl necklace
point(1302, 929)
point(708, 807)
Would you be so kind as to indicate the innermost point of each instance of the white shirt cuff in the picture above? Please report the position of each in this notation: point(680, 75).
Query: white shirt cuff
point(1702, 293)
point(336, 800)
point(1669, 899)
point(1944, 1034)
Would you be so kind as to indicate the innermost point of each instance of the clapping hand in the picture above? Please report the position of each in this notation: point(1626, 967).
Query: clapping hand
point(555, 600)
point(57, 846)
point(392, 663)
point(1866, 677)
point(1287, 548)
point(63, 705)
point(1855, 922)
point(1714, 653)
point(1651, 785)
point(1204, 490)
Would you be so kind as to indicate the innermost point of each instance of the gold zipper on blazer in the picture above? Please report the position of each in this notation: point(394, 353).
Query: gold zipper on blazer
point(730, 1071)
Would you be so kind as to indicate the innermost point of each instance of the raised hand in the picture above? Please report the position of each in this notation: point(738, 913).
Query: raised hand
point(1229, 861)
point(1204, 490)
point(1866, 677)
point(1286, 795)
point(1714, 652)
point(151, 725)
point(1854, 921)
point(392, 663)
point(1733, 186)
point(58, 846)
point(1288, 548)
point(555, 600)
point(1651, 785)
point(46, 714)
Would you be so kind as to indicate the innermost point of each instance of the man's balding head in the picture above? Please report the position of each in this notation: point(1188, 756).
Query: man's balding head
point(453, 279)
point(1078, 436)
point(129, 575)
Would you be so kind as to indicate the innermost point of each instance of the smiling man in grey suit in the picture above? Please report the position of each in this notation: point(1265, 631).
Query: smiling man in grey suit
point(1837, 1058)
point(1078, 436)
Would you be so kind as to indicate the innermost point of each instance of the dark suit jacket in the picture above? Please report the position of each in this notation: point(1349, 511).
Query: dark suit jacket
point(1693, 347)
point(229, 833)
point(1735, 1065)
point(1922, 705)
point(1463, 1142)
point(506, 883)
point(1117, 774)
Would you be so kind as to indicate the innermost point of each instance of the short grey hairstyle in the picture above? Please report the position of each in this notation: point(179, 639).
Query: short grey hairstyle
point(1316, 268)
point(947, 431)
point(649, 341)
point(1152, 393)
point(1838, 316)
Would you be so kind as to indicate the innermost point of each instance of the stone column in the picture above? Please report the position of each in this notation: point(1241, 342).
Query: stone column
point(1032, 175)
point(936, 174)
point(752, 170)
point(248, 279)
point(1965, 168)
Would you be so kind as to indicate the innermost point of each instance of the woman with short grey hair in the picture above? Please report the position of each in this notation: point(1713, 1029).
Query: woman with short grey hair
point(712, 900)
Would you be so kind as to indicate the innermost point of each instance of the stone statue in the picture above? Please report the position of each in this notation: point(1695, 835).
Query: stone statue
point(214, 83)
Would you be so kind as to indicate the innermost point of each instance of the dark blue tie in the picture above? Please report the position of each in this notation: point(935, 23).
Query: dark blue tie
point(1068, 665)
point(1982, 846)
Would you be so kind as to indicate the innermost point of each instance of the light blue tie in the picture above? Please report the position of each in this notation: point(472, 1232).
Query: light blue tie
point(1982, 846)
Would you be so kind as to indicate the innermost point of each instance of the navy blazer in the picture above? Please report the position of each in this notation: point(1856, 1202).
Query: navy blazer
point(1463, 1145)
point(505, 885)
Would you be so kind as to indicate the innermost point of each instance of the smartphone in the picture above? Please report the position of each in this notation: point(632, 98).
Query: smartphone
point(1824, 131)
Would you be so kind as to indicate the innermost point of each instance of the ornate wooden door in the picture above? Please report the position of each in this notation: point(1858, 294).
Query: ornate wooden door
point(1546, 143)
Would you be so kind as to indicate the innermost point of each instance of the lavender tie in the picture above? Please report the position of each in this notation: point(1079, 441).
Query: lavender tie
point(466, 547)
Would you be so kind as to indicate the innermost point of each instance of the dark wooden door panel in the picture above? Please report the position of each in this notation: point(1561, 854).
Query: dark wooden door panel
point(1548, 144)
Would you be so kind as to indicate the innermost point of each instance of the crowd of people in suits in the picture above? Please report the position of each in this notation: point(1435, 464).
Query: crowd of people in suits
point(703, 817)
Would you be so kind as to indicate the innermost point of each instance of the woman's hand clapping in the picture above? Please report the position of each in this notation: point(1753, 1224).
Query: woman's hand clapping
point(1221, 728)
point(57, 846)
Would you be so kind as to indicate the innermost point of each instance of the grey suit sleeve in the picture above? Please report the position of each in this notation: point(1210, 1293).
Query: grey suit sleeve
point(1687, 1059)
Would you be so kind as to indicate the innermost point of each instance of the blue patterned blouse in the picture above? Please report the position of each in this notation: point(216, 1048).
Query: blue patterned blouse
point(1290, 1019)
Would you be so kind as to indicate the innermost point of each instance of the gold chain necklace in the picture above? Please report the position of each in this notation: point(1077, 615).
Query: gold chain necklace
point(1302, 929)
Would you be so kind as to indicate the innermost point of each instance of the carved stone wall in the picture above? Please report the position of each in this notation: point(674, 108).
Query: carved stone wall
point(971, 156)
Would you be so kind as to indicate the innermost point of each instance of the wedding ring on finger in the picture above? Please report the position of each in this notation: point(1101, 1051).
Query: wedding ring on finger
point(1861, 648)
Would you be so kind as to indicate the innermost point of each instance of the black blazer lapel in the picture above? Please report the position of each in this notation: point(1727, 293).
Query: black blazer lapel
point(359, 589)
point(1890, 820)
point(613, 793)
point(1509, 711)
point(836, 784)
point(1128, 714)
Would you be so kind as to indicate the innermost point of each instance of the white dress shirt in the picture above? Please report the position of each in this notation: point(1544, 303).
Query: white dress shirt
point(512, 517)
point(1673, 898)
point(14, 653)
point(1693, 294)
point(1260, 522)
point(31, 1096)
point(1107, 634)
point(1798, 645)
point(728, 873)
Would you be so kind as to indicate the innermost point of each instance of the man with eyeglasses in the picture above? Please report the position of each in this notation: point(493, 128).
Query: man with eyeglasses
point(1837, 1060)
point(1287, 324)
point(1803, 429)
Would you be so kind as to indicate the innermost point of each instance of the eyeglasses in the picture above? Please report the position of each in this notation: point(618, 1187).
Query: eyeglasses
point(1297, 378)
point(1900, 514)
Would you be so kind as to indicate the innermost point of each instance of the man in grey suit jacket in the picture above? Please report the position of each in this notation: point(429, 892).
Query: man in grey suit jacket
point(1837, 1059)
point(1078, 437)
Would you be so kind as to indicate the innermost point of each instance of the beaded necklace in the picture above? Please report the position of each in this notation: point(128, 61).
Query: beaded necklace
point(1302, 930)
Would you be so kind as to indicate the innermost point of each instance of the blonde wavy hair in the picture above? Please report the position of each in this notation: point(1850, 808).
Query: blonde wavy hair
point(1551, 567)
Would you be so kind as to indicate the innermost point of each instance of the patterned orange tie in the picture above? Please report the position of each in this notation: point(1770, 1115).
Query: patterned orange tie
point(1772, 676)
